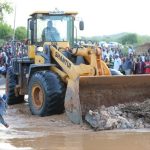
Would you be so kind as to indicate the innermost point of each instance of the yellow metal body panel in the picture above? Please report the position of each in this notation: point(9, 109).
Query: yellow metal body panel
point(31, 51)
point(73, 71)
point(94, 59)
point(60, 45)
point(105, 68)
point(39, 59)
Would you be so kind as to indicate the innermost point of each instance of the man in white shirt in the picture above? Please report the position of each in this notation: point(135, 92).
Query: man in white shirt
point(117, 62)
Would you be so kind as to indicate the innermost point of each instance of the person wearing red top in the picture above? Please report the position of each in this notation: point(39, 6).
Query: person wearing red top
point(139, 66)
point(147, 66)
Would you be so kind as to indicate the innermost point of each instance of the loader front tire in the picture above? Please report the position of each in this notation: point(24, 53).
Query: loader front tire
point(11, 82)
point(46, 94)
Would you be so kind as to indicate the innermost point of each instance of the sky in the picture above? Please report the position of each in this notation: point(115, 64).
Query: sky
point(101, 17)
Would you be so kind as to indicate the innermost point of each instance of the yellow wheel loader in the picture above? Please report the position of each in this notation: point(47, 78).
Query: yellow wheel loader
point(57, 75)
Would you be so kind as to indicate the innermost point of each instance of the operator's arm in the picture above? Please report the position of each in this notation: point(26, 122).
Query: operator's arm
point(56, 35)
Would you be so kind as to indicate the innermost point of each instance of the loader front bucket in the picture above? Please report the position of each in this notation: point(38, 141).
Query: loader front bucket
point(97, 91)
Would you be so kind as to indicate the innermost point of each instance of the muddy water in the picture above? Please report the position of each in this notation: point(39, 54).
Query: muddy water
point(82, 141)
point(28, 132)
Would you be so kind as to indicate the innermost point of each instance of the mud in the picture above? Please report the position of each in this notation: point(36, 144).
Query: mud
point(28, 132)
point(58, 133)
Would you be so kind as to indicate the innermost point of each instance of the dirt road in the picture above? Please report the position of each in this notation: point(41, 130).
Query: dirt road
point(28, 132)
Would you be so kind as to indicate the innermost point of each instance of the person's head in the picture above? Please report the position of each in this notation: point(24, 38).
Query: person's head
point(49, 24)
point(123, 59)
point(107, 59)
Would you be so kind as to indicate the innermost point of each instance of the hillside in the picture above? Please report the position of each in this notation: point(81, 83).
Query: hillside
point(123, 38)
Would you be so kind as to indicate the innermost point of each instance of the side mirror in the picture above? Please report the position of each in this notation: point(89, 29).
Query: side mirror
point(81, 25)
point(31, 25)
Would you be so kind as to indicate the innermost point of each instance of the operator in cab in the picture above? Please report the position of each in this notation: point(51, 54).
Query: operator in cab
point(50, 33)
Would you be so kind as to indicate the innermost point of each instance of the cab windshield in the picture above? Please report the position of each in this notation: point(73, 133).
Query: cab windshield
point(54, 28)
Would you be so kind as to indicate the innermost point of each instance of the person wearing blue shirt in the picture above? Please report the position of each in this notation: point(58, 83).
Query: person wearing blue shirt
point(50, 33)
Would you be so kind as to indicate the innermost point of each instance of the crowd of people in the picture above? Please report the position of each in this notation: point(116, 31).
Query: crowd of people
point(7, 53)
point(126, 64)
point(111, 54)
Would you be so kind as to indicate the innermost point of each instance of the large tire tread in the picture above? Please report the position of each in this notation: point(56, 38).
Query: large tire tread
point(54, 91)
point(11, 82)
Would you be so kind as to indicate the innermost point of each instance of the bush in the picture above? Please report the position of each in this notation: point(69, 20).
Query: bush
point(130, 38)
point(20, 33)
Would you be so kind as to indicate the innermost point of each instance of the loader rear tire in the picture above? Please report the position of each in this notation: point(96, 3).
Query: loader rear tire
point(11, 82)
point(46, 94)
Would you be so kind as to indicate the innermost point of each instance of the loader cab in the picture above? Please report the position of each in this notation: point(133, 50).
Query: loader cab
point(62, 22)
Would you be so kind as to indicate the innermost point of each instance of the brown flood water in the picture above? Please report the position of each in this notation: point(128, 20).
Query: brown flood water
point(28, 132)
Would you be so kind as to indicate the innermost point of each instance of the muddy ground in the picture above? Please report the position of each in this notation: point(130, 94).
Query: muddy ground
point(28, 132)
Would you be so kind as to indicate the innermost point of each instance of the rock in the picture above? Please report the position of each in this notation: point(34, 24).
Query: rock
point(130, 115)
point(119, 113)
point(111, 124)
point(146, 125)
point(112, 111)
point(125, 124)
point(104, 115)
point(124, 114)
point(139, 123)
point(132, 123)
point(102, 107)
point(147, 119)
point(93, 118)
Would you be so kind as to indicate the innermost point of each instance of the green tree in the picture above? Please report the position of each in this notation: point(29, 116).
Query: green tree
point(6, 32)
point(5, 7)
point(130, 38)
point(20, 33)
